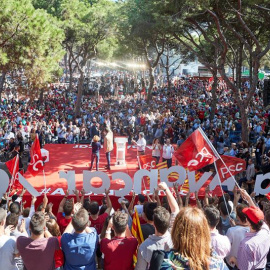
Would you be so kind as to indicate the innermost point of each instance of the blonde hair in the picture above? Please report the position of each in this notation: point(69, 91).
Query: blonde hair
point(191, 237)
point(96, 138)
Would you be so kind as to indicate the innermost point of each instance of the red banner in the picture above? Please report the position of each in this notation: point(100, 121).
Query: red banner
point(36, 163)
point(234, 165)
point(195, 153)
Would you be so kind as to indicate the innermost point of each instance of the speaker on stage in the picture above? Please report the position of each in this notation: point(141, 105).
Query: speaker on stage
point(266, 93)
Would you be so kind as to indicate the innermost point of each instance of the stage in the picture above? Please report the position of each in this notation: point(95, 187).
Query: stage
point(77, 157)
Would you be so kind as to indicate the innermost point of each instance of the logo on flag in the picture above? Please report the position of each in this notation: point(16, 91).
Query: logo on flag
point(36, 163)
point(195, 153)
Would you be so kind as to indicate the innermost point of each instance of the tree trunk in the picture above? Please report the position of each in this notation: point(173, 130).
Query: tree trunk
point(79, 95)
point(239, 66)
point(66, 67)
point(152, 81)
point(244, 122)
point(41, 96)
point(70, 73)
point(2, 81)
point(214, 96)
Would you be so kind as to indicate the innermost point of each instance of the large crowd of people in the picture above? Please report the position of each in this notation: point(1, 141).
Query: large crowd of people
point(227, 233)
point(216, 233)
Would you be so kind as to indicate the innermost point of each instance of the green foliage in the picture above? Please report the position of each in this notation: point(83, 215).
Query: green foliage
point(29, 39)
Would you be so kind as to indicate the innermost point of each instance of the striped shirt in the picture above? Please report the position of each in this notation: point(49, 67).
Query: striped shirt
point(253, 249)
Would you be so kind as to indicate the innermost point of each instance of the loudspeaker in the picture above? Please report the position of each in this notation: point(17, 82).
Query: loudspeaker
point(266, 92)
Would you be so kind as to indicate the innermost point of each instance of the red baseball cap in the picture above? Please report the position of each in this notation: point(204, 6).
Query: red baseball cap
point(255, 214)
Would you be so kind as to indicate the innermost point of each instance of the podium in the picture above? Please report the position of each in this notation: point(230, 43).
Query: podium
point(120, 150)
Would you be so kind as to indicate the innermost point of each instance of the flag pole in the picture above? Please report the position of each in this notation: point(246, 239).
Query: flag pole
point(44, 180)
point(218, 155)
point(222, 190)
point(140, 169)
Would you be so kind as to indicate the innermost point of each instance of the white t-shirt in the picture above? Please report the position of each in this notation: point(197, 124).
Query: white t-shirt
point(7, 251)
point(236, 235)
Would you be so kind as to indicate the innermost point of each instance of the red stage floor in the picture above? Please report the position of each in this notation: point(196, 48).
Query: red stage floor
point(67, 157)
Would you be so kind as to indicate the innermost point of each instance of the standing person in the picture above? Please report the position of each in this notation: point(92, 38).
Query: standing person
point(118, 251)
point(108, 146)
point(168, 151)
point(156, 147)
point(191, 245)
point(7, 244)
point(141, 144)
point(79, 247)
point(96, 146)
point(253, 249)
point(259, 151)
point(37, 251)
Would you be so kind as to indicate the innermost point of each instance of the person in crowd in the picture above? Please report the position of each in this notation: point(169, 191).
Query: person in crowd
point(148, 212)
point(237, 233)
point(108, 146)
point(167, 153)
point(39, 248)
point(8, 249)
point(119, 250)
point(79, 247)
point(219, 243)
point(141, 144)
point(54, 230)
point(64, 213)
point(191, 244)
point(96, 146)
point(250, 173)
point(156, 148)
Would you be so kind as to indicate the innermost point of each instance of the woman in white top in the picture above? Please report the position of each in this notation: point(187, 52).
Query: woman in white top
point(167, 153)
point(156, 147)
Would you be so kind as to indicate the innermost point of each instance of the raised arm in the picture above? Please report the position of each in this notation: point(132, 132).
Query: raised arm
point(247, 197)
point(178, 197)
point(61, 205)
point(109, 203)
point(82, 197)
point(45, 202)
point(171, 200)
point(131, 205)
point(77, 194)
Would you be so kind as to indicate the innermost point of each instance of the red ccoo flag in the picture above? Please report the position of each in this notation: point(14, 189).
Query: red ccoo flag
point(195, 153)
point(36, 163)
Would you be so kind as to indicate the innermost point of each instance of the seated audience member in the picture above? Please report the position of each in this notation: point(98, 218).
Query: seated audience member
point(37, 252)
point(161, 240)
point(65, 210)
point(54, 230)
point(253, 249)
point(237, 233)
point(219, 243)
point(191, 245)
point(79, 247)
point(8, 248)
point(118, 251)
point(148, 212)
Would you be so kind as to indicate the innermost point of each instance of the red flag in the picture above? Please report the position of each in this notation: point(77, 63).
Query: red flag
point(13, 165)
point(195, 153)
point(16, 183)
point(36, 163)
point(147, 162)
point(234, 165)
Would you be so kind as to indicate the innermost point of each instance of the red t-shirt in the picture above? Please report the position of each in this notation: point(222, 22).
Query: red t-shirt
point(58, 255)
point(62, 221)
point(118, 249)
point(98, 223)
